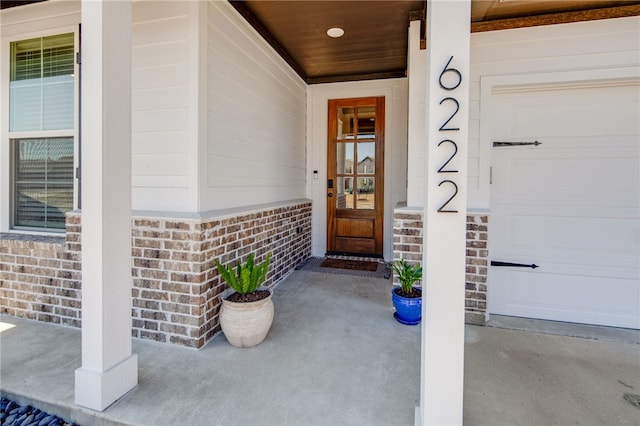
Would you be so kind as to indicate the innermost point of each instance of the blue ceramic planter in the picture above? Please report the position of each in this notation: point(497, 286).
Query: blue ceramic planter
point(408, 310)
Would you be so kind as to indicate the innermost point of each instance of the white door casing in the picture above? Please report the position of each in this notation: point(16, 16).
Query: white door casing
point(570, 204)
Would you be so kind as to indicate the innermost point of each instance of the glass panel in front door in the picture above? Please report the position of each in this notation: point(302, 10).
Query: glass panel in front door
point(344, 158)
point(345, 123)
point(366, 193)
point(366, 158)
point(359, 124)
point(366, 122)
point(345, 193)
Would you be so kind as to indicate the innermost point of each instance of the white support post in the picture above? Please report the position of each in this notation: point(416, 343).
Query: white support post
point(447, 106)
point(109, 369)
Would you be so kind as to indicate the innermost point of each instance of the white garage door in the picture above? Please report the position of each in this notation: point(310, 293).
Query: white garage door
point(569, 205)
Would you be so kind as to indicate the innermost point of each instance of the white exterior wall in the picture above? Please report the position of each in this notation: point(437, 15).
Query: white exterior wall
point(239, 143)
point(31, 20)
point(395, 92)
point(416, 71)
point(161, 142)
point(256, 117)
point(165, 140)
point(575, 47)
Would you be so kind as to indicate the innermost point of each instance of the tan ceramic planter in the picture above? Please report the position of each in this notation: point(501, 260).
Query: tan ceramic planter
point(246, 324)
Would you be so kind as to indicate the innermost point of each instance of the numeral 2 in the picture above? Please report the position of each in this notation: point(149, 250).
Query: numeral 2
point(455, 151)
point(442, 208)
point(443, 128)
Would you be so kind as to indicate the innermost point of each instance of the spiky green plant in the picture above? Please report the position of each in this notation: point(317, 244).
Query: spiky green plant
point(408, 274)
point(247, 277)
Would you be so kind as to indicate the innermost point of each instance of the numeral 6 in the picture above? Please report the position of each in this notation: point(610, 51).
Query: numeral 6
point(457, 76)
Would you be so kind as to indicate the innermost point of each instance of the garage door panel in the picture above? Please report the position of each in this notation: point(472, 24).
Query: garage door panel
point(570, 205)
point(585, 237)
point(568, 119)
point(578, 298)
point(570, 258)
point(539, 176)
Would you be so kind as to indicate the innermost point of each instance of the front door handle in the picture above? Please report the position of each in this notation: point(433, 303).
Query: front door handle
point(330, 194)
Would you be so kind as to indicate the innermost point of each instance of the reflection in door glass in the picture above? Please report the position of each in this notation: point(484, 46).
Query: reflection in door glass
point(366, 122)
point(344, 158)
point(345, 123)
point(344, 194)
point(366, 193)
point(366, 157)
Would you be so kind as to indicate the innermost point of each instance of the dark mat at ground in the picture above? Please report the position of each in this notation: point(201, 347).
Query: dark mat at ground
point(346, 267)
point(354, 265)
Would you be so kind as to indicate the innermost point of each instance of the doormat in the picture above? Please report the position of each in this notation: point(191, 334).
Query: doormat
point(354, 265)
point(346, 267)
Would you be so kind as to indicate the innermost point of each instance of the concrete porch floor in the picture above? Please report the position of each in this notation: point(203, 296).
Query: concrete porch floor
point(336, 356)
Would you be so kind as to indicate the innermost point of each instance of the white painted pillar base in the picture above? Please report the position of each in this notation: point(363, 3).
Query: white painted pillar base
point(109, 369)
point(446, 158)
point(97, 390)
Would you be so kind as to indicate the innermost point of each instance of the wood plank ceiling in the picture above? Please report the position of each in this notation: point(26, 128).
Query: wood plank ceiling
point(374, 44)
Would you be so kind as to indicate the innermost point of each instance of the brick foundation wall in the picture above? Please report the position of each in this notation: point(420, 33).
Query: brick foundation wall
point(176, 288)
point(40, 276)
point(477, 268)
point(407, 244)
point(407, 237)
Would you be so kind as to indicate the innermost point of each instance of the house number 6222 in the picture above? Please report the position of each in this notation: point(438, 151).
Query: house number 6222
point(450, 79)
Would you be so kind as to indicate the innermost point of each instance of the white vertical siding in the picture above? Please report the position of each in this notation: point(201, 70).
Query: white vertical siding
point(160, 106)
point(592, 47)
point(395, 92)
point(256, 117)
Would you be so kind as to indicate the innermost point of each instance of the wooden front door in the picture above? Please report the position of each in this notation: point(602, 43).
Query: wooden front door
point(355, 176)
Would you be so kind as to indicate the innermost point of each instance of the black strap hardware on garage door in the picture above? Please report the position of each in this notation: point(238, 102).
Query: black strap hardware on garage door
point(515, 265)
point(500, 144)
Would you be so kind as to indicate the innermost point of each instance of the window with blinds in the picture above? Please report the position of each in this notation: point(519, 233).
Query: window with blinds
point(41, 108)
point(43, 181)
point(41, 86)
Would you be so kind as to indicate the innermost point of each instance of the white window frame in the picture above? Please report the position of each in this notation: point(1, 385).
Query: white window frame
point(7, 204)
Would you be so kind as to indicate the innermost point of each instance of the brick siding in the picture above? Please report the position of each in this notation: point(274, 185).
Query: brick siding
point(407, 244)
point(477, 265)
point(176, 288)
point(407, 238)
point(40, 276)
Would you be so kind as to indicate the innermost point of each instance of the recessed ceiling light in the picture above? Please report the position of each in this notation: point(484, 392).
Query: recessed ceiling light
point(335, 32)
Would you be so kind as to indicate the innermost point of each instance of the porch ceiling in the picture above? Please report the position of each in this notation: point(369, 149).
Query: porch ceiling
point(374, 44)
point(375, 41)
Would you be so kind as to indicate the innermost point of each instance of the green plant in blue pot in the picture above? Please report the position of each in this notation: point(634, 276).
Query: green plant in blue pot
point(407, 299)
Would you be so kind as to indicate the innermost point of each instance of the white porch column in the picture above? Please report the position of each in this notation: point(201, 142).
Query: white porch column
point(447, 104)
point(109, 369)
